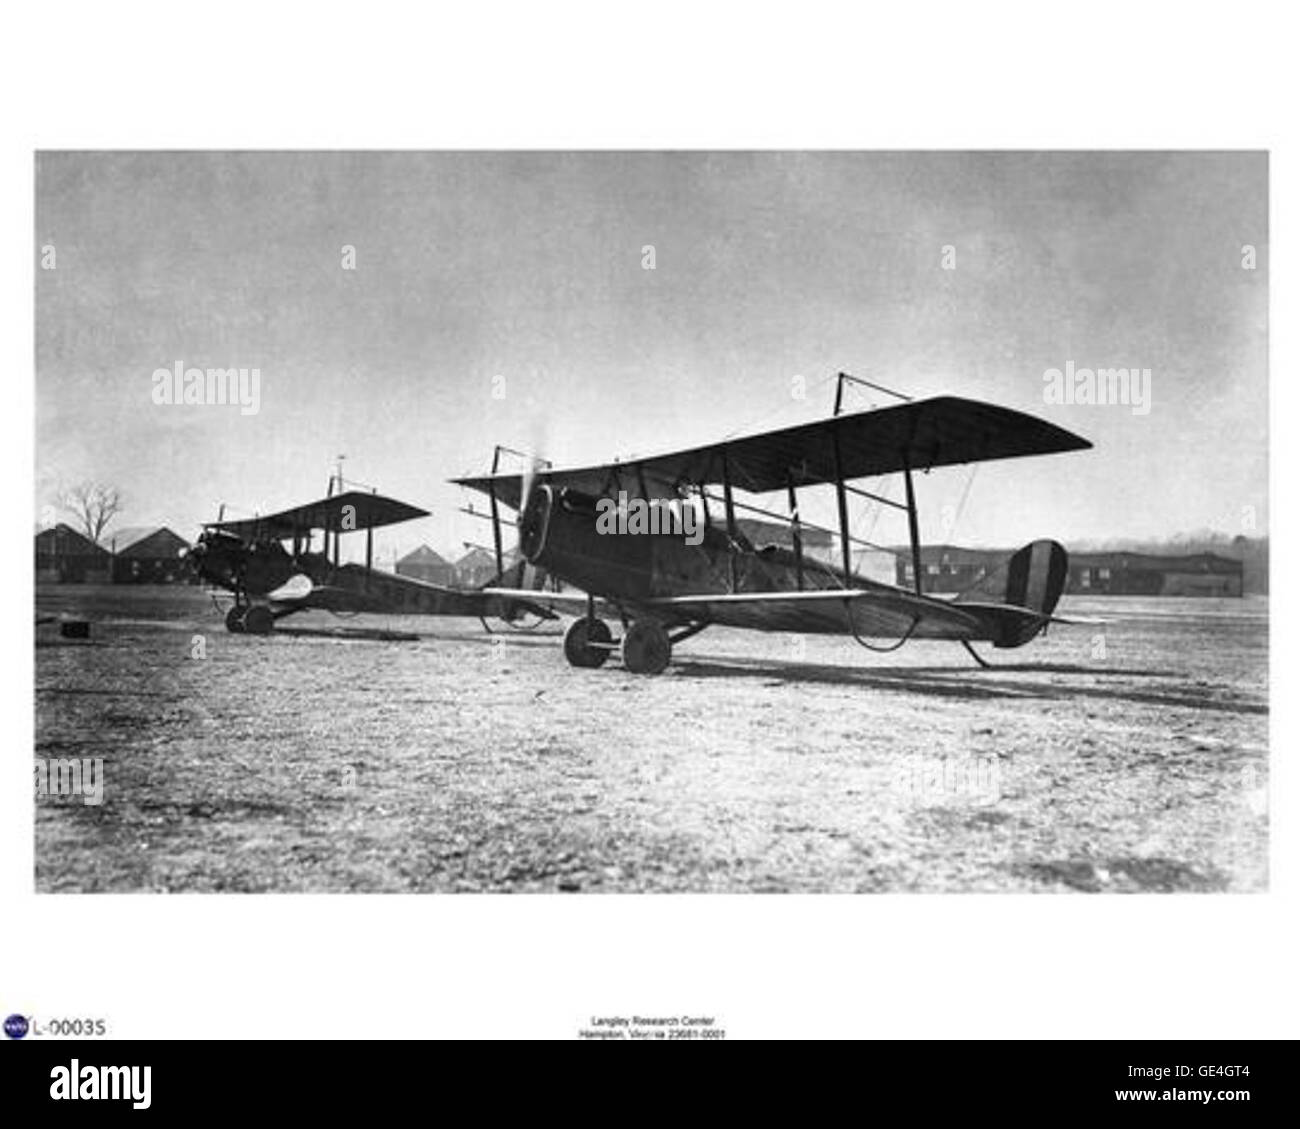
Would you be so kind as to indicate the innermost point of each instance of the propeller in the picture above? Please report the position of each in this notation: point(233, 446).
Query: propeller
point(194, 555)
point(533, 463)
point(526, 485)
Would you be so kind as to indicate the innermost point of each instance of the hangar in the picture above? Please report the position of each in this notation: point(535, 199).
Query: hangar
point(952, 569)
point(149, 554)
point(424, 564)
point(64, 556)
point(478, 567)
point(1137, 574)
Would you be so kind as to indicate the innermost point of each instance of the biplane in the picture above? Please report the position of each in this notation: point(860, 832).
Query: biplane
point(664, 590)
point(269, 565)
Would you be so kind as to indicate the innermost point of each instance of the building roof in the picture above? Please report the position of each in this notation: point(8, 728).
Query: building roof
point(1196, 562)
point(953, 554)
point(146, 541)
point(128, 536)
point(64, 539)
point(477, 558)
point(422, 556)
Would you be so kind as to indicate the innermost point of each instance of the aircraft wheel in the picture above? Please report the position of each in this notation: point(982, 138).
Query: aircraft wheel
point(578, 639)
point(259, 621)
point(646, 648)
point(235, 620)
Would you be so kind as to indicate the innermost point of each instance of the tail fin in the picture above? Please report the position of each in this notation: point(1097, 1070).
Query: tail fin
point(1036, 576)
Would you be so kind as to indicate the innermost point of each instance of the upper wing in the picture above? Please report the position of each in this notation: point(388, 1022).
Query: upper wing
point(938, 432)
point(368, 511)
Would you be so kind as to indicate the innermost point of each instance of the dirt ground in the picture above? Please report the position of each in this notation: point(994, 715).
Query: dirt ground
point(1130, 757)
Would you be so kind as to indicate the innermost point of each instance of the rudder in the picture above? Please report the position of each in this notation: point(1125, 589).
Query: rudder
point(1036, 576)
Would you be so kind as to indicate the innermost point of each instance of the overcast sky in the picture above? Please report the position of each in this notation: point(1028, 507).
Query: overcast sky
point(530, 267)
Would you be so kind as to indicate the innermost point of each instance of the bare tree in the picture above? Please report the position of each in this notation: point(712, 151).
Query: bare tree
point(94, 505)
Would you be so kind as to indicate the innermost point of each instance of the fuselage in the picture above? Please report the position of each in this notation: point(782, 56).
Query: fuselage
point(558, 531)
point(254, 569)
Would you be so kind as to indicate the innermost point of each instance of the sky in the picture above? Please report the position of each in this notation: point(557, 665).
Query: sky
point(505, 298)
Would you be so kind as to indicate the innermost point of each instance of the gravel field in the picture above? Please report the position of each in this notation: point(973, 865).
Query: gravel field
point(1128, 758)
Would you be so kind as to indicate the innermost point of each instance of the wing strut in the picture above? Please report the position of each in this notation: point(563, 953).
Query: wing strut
point(496, 512)
point(803, 525)
point(842, 500)
point(796, 535)
point(844, 377)
point(730, 506)
point(912, 527)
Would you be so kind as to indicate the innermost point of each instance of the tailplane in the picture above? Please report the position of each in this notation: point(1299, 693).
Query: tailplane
point(1035, 579)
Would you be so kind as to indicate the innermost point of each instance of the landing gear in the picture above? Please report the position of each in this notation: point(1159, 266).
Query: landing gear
point(646, 647)
point(578, 640)
point(245, 620)
point(258, 620)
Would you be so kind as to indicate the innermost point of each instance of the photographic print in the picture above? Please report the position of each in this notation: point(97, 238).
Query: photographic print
point(652, 522)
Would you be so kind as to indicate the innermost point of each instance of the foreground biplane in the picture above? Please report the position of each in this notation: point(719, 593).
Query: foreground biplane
point(665, 590)
point(269, 566)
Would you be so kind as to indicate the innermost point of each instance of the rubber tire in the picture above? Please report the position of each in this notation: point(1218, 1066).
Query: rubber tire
point(647, 648)
point(235, 620)
point(581, 632)
point(259, 621)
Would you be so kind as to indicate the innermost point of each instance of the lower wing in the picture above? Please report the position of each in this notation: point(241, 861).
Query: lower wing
point(877, 613)
point(880, 614)
point(357, 589)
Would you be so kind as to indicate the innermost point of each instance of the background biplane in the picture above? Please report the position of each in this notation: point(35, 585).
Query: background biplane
point(665, 590)
point(269, 565)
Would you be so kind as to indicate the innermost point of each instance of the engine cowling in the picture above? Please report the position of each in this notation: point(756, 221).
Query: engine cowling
point(557, 532)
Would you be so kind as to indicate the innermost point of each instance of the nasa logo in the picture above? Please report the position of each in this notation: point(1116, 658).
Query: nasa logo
point(16, 1026)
